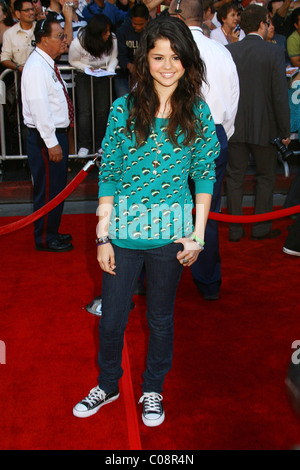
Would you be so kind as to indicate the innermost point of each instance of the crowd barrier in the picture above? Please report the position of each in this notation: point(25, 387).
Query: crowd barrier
point(5, 75)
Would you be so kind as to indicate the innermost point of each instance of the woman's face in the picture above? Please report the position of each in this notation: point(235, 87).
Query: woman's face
point(106, 34)
point(164, 65)
point(231, 19)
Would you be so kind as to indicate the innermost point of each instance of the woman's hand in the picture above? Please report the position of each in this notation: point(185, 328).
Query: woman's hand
point(106, 258)
point(190, 251)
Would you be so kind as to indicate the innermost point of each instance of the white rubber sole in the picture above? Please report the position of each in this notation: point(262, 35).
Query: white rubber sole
point(291, 252)
point(87, 414)
point(151, 423)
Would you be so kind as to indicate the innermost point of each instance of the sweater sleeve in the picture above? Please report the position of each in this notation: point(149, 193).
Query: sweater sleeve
point(205, 151)
point(75, 55)
point(113, 59)
point(112, 160)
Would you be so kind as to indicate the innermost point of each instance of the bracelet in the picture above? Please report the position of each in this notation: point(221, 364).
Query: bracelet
point(102, 240)
point(198, 240)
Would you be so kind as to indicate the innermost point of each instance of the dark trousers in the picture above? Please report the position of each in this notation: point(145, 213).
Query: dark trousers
point(293, 195)
point(163, 272)
point(101, 95)
point(49, 179)
point(266, 165)
point(293, 239)
point(206, 270)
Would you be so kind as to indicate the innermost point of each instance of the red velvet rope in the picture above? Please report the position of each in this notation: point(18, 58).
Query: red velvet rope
point(245, 219)
point(13, 227)
point(250, 219)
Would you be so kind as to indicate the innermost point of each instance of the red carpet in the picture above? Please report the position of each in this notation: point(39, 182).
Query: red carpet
point(226, 389)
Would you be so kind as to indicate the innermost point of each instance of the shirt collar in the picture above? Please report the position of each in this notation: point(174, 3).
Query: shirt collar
point(19, 29)
point(196, 28)
point(255, 34)
point(45, 56)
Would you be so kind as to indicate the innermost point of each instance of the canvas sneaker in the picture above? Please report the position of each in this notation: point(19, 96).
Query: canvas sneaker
point(153, 411)
point(91, 404)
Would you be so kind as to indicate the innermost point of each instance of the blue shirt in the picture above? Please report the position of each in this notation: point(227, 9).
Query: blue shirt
point(111, 11)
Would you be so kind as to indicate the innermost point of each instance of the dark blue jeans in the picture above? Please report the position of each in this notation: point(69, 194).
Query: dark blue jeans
point(163, 272)
point(206, 270)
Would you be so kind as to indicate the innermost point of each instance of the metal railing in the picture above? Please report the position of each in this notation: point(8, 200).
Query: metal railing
point(19, 119)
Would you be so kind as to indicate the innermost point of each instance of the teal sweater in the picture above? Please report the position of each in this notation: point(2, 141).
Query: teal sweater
point(151, 210)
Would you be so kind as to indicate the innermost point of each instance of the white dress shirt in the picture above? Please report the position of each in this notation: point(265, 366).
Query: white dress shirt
point(223, 91)
point(44, 103)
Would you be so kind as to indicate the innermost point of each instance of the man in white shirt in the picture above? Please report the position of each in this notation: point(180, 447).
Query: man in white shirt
point(47, 113)
point(222, 95)
point(17, 45)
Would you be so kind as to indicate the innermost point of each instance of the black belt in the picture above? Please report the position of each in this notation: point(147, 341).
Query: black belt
point(58, 130)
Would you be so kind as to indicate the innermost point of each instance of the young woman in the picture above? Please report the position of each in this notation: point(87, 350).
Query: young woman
point(157, 136)
point(95, 47)
point(229, 31)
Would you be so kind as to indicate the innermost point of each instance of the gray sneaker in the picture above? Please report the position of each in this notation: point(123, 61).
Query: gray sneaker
point(153, 410)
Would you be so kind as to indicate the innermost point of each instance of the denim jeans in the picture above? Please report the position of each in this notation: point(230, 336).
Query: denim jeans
point(163, 272)
point(207, 268)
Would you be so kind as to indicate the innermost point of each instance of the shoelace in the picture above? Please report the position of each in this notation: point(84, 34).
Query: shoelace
point(151, 402)
point(95, 395)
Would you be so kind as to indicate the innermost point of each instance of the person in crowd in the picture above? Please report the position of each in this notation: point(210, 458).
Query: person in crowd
point(47, 113)
point(155, 139)
point(221, 93)
point(293, 41)
point(229, 31)
point(210, 15)
point(280, 13)
point(263, 114)
point(6, 19)
point(17, 40)
point(278, 39)
point(104, 7)
point(157, 7)
point(128, 36)
point(95, 47)
point(39, 11)
point(71, 21)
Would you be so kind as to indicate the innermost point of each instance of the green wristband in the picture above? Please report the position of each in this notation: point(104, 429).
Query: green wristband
point(197, 239)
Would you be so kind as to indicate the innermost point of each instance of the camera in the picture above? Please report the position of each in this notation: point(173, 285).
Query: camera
point(282, 149)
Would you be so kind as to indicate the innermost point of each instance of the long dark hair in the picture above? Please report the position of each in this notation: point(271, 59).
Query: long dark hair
point(143, 101)
point(6, 9)
point(90, 37)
